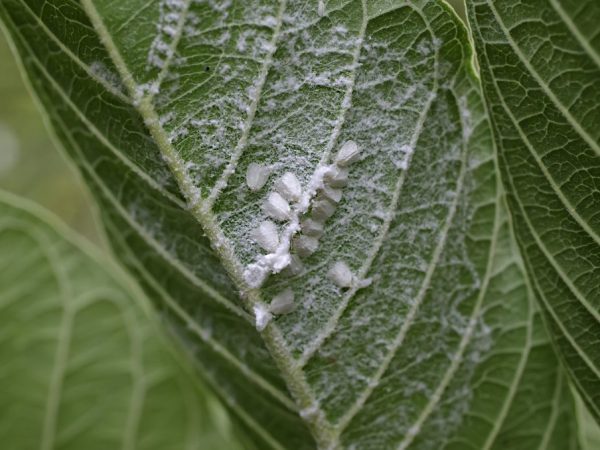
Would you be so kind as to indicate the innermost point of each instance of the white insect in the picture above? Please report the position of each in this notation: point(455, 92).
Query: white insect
point(295, 267)
point(262, 316)
point(336, 177)
point(305, 245)
point(283, 303)
point(266, 236)
point(321, 8)
point(289, 187)
point(323, 209)
point(347, 154)
point(331, 193)
point(311, 227)
point(277, 207)
point(256, 176)
point(341, 274)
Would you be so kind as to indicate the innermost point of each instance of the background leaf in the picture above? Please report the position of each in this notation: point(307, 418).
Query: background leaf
point(163, 105)
point(83, 365)
point(540, 65)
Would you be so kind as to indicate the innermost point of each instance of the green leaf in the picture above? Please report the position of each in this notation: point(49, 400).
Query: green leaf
point(83, 364)
point(164, 105)
point(540, 65)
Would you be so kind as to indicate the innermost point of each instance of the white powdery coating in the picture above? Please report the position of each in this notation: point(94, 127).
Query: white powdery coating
point(341, 274)
point(283, 303)
point(256, 176)
point(289, 187)
point(277, 207)
point(347, 154)
point(262, 316)
point(266, 236)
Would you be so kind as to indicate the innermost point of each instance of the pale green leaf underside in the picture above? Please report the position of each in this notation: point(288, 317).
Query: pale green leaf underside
point(442, 349)
point(540, 63)
point(83, 365)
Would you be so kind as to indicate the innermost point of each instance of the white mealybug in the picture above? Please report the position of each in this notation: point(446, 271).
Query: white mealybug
point(321, 8)
point(266, 236)
point(295, 267)
point(289, 187)
point(336, 177)
point(283, 303)
point(311, 227)
point(262, 317)
point(277, 207)
point(333, 194)
point(322, 209)
point(341, 274)
point(347, 154)
point(305, 245)
point(256, 176)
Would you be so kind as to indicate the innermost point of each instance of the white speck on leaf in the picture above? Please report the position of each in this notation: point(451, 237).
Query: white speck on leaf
point(262, 316)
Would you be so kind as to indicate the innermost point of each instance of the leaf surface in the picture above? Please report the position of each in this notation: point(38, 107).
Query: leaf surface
point(83, 364)
point(164, 105)
point(540, 64)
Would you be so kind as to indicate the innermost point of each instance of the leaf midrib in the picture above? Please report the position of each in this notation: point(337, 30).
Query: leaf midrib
point(271, 335)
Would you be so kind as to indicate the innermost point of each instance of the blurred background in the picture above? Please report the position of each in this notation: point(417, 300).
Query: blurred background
point(30, 163)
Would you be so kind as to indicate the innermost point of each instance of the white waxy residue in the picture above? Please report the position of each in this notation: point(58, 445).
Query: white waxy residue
point(289, 187)
point(266, 235)
point(347, 154)
point(277, 207)
point(283, 303)
point(341, 274)
point(262, 316)
point(256, 176)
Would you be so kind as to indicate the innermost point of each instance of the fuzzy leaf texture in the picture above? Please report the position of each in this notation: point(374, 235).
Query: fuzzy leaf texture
point(540, 66)
point(164, 105)
point(83, 365)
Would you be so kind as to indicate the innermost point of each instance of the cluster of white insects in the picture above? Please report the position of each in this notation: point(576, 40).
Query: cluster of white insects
point(277, 206)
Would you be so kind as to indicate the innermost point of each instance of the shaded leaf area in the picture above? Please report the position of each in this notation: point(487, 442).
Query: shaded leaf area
point(164, 105)
point(83, 364)
point(540, 64)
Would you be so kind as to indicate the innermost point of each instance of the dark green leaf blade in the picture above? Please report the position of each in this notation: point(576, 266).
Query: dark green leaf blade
point(400, 362)
point(540, 67)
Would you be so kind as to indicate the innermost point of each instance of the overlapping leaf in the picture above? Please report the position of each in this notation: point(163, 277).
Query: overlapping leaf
point(540, 63)
point(163, 105)
point(83, 365)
